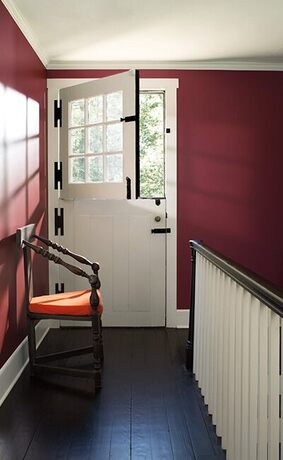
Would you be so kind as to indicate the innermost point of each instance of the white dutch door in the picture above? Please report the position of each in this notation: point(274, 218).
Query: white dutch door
point(98, 154)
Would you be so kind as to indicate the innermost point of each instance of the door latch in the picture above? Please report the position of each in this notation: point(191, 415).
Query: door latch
point(129, 188)
point(161, 230)
point(128, 119)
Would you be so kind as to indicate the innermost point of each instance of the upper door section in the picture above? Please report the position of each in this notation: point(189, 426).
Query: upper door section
point(99, 138)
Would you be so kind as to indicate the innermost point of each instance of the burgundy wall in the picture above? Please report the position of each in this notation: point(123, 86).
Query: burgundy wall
point(23, 187)
point(230, 170)
point(230, 167)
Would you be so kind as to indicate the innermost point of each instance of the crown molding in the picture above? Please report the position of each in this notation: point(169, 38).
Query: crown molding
point(173, 65)
point(26, 30)
point(260, 64)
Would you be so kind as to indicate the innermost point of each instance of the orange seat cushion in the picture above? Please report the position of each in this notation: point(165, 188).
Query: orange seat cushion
point(67, 303)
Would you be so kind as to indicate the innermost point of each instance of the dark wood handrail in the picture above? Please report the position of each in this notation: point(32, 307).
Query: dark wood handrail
point(267, 293)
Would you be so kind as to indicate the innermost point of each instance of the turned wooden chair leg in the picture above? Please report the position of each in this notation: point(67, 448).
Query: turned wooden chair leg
point(101, 351)
point(31, 344)
point(96, 349)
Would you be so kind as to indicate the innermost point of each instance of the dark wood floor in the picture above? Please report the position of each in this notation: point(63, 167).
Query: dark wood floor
point(149, 407)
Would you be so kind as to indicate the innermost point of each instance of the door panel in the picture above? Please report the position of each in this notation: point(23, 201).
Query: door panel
point(120, 266)
point(139, 262)
point(90, 139)
point(117, 234)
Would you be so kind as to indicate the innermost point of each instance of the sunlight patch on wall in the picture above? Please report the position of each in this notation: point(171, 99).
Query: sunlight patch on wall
point(15, 116)
point(19, 159)
point(32, 118)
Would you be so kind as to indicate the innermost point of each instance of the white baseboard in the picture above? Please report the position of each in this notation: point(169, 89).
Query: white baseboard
point(15, 365)
point(178, 318)
point(182, 319)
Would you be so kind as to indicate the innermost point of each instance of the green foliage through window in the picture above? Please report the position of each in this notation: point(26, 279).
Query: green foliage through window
point(152, 167)
point(94, 144)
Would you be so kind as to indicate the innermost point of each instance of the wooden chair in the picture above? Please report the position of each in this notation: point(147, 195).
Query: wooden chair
point(79, 306)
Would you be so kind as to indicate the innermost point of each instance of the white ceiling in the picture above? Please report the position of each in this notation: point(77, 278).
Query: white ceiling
point(90, 33)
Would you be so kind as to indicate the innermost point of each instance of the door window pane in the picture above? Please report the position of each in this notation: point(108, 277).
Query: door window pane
point(77, 141)
point(77, 170)
point(95, 139)
point(114, 106)
point(152, 145)
point(98, 142)
point(95, 109)
point(114, 137)
point(95, 169)
point(114, 168)
point(77, 112)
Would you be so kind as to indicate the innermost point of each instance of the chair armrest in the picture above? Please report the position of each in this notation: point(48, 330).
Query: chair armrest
point(83, 260)
point(93, 279)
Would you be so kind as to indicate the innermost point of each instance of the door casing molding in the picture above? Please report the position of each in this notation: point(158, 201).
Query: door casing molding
point(170, 86)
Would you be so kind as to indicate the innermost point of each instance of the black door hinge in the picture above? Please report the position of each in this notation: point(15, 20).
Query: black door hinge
point(59, 221)
point(58, 175)
point(57, 113)
point(59, 290)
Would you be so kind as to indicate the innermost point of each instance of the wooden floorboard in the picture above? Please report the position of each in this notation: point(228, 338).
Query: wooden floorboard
point(148, 409)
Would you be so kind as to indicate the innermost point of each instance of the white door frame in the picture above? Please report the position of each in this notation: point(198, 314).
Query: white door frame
point(169, 85)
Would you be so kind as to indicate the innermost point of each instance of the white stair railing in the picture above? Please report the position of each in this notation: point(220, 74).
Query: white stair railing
point(238, 355)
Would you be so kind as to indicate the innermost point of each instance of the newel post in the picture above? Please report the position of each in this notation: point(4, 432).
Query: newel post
point(190, 342)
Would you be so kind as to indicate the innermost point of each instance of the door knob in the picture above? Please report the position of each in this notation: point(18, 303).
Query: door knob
point(157, 219)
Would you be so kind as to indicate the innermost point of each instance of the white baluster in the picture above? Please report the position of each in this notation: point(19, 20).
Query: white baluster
point(238, 373)
point(220, 326)
point(262, 382)
point(202, 320)
point(197, 331)
point(253, 380)
point(231, 375)
point(213, 339)
point(245, 375)
point(210, 335)
point(205, 338)
point(226, 362)
point(273, 387)
point(215, 346)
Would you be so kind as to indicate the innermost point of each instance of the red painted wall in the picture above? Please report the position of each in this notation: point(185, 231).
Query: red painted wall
point(23, 186)
point(230, 170)
point(230, 167)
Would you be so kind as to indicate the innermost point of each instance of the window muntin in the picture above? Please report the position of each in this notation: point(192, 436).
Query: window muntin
point(95, 133)
point(152, 144)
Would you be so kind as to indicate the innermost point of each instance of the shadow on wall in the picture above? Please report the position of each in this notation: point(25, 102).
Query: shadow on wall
point(22, 200)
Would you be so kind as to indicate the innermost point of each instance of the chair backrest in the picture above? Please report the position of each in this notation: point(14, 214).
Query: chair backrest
point(26, 233)
point(24, 237)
